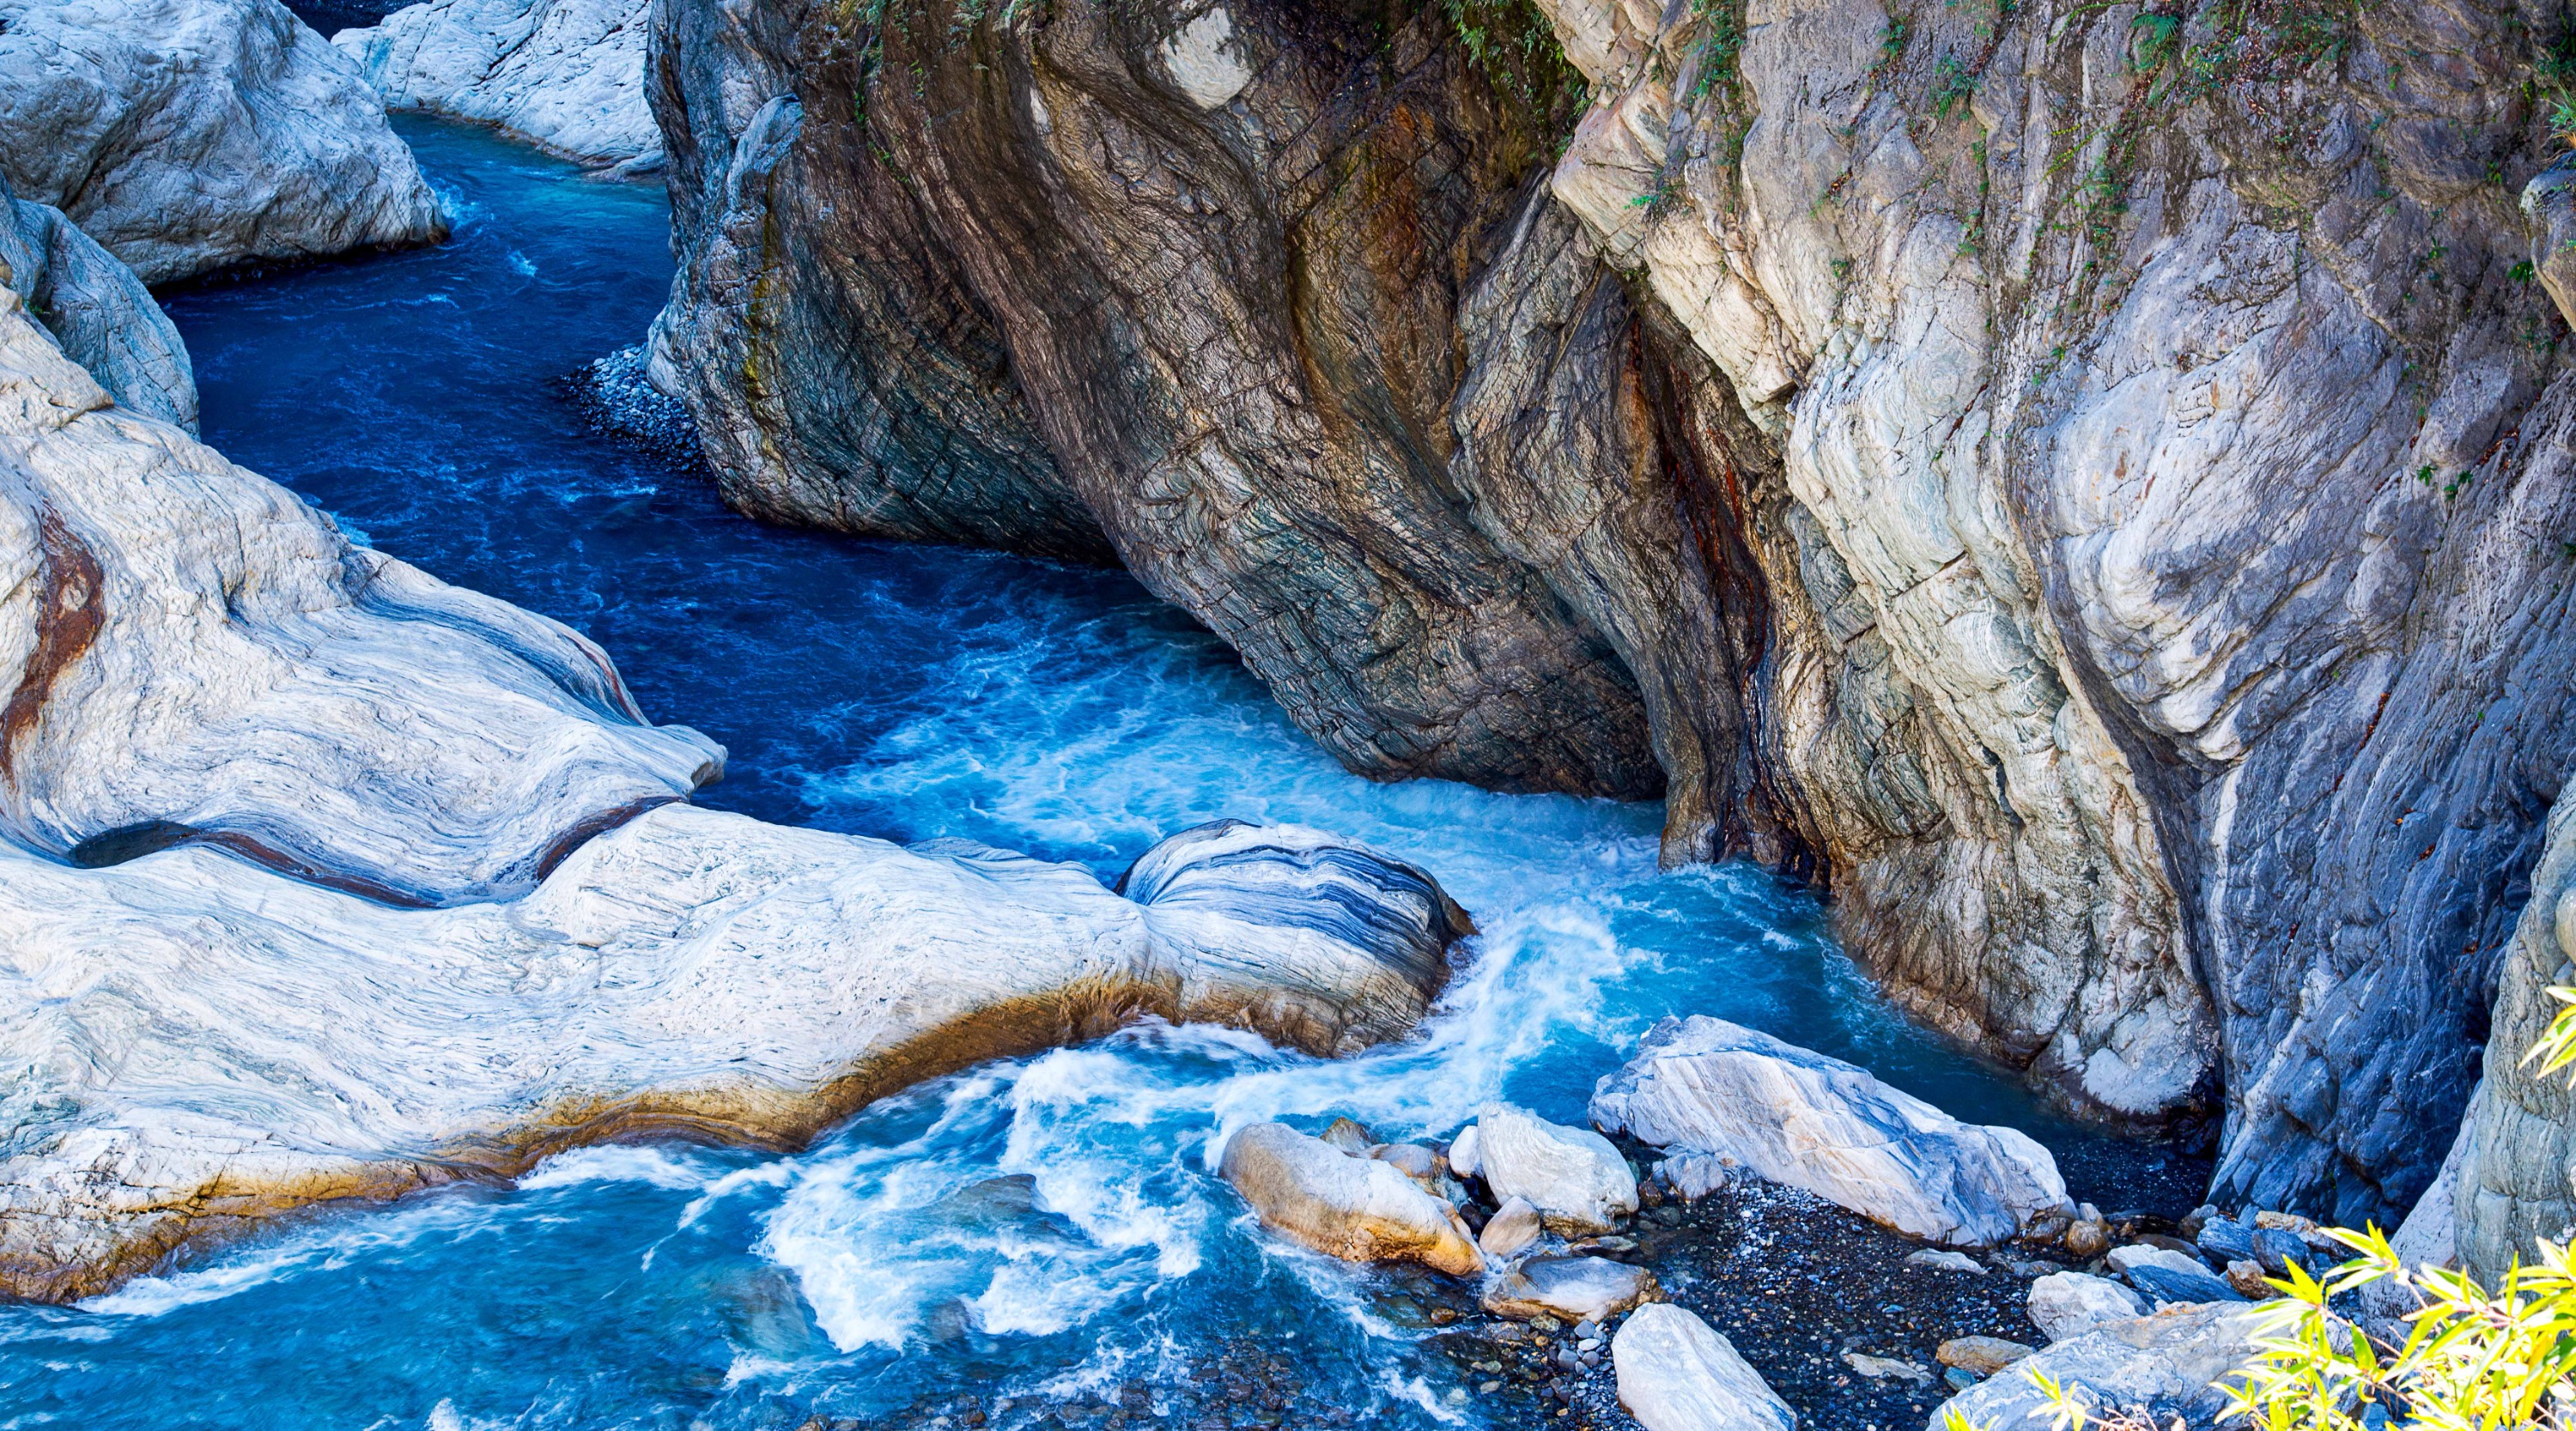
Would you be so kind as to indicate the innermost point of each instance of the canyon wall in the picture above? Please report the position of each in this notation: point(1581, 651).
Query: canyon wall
point(2087, 485)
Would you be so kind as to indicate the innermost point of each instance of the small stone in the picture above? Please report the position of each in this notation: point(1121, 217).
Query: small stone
point(1349, 1137)
point(1980, 1356)
point(2247, 1278)
point(2139, 1254)
point(1515, 1227)
point(1544, 1324)
point(1693, 1176)
point(1676, 1373)
point(2047, 1225)
point(2284, 1222)
point(2172, 1244)
point(2196, 1219)
point(2276, 1248)
point(1489, 1387)
point(1411, 1159)
point(2226, 1240)
point(1880, 1368)
point(2088, 1238)
point(1589, 1330)
point(1944, 1262)
point(1959, 1378)
point(2163, 1286)
point(1443, 1316)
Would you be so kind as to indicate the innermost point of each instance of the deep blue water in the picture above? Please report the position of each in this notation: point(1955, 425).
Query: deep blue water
point(909, 692)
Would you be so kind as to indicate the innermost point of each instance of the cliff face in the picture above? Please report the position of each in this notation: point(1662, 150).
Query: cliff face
point(2088, 485)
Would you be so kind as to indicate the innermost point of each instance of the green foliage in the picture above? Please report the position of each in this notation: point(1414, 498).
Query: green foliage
point(2522, 272)
point(1891, 45)
point(2155, 44)
point(1952, 85)
point(2553, 73)
point(1514, 47)
point(1721, 50)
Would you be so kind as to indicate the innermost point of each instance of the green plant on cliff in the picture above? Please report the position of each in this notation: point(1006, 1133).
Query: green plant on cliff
point(1512, 44)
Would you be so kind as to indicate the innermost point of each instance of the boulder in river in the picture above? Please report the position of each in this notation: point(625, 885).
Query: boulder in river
point(1578, 1182)
point(2170, 1362)
point(1515, 1226)
point(1570, 1289)
point(2064, 1304)
point(1677, 1373)
point(1361, 1209)
point(1797, 1117)
point(566, 74)
point(321, 879)
point(185, 135)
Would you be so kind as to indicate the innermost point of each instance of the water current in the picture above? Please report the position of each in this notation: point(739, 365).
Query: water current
point(1045, 1228)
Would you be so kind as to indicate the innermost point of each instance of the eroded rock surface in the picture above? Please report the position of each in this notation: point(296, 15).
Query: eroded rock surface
point(1573, 1176)
point(2092, 508)
point(1797, 1117)
point(185, 135)
point(2517, 1153)
point(568, 74)
point(2167, 1367)
point(103, 316)
point(264, 801)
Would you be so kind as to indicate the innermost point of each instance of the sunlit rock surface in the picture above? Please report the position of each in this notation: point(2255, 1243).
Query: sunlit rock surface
point(103, 316)
point(568, 74)
point(185, 135)
point(1677, 1373)
point(1797, 1117)
point(1357, 1208)
point(2168, 1365)
point(2097, 511)
point(265, 801)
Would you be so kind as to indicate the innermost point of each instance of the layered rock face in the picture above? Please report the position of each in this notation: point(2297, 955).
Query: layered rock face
point(320, 879)
point(2090, 486)
point(568, 74)
point(98, 310)
point(185, 135)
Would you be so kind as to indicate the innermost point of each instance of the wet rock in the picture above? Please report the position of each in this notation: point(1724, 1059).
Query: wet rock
point(2087, 1238)
point(2164, 1285)
point(2064, 1304)
point(567, 74)
point(1572, 1288)
point(1797, 1117)
point(1511, 1229)
point(2169, 1362)
point(184, 135)
point(1676, 1373)
point(1693, 1176)
point(1945, 1262)
point(1464, 1158)
point(103, 316)
point(1356, 1208)
point(1578, 1182)
point(1411, 1159)
point(1980, 1356)
point(1349, 1136)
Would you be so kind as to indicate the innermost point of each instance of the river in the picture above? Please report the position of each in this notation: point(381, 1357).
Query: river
point(1031, 1234)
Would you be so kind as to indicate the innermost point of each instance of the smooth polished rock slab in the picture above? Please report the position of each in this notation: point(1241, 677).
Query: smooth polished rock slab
point(1357, 1208)
point(1677, 1373)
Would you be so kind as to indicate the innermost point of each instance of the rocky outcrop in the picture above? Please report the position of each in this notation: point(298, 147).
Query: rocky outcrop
point(1677, 1373)
point(103, 316)
point(568, 74)
point(2170, 1367)
point(322, 880)
point(185, 135)
point(2515, 1179)
point(1357, 1208)
point(1797, 1117)
point(2078, 482)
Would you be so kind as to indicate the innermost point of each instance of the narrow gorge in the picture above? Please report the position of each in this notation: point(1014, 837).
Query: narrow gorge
point(917, 713)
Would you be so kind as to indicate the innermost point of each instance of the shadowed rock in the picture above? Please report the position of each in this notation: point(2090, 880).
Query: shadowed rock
point(184, 135)
point(98, 310)
point(1797, 1117)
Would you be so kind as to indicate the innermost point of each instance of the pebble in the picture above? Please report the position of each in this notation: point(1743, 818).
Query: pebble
point(1944, 1261)
point(1980, 1356)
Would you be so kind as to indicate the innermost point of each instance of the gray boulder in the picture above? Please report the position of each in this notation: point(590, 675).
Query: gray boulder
point(185, 135)
point(1571, 1289)
point(2165, 1365)
point(1797, 1117)
point(2065, 1304)
point(104, 317)
point(1573, 1176)
point(2227, 1240)
point(1677, 1373)
point(567, 74)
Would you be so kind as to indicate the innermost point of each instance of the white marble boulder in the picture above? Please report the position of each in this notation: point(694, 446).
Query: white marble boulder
point(1357, 1208)
point(1677, 1373)
point(2169, 1366)
point(1571, 1289)
point(1797, 1117)
point(568, 74)
point(185, 135)
point(2067, 1304)
point(1574, 1177)
point(103, 316)
point(435, 908)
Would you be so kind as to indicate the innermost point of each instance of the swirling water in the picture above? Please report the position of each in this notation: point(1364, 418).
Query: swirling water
point(1041, 1228)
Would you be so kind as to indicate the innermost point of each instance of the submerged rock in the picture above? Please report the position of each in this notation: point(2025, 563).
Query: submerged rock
point(2065, 1304)
point(1577, 1181)
point(104, 317)
point(1677, 1373)
point(2169, 1364)
point(1358, 1208)
point(1570, 1289)
point(568, 74)
point(1797, 1117)
point(185, 135)
point(304, 981)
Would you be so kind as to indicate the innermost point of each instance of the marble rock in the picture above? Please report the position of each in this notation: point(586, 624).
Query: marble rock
point(1944, 1261)
point(2125, 1259)
point(567, 74)
point(1512, 1228)
point(1570, 1289)
point(2063, 1304)
point(1573, 1176)
point(1360, 1209)
point(2167, 1364)
point(2165, 1285)
point(103, 316)
point(1797, 1117)
point(1677, 1373)
point(1464, 1159)
point(185, 135)
point(1980, 1356)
